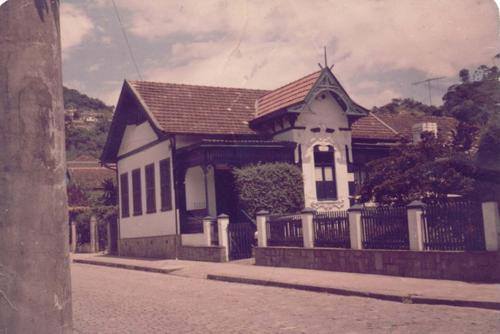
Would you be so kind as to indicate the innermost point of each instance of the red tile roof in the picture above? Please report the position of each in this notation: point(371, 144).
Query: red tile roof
point(403, 123)
point(288, 95)
point(89, 174)
point(371, 127)
point(199, 109)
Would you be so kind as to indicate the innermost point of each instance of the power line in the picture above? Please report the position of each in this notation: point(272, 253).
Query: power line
point(126, 39)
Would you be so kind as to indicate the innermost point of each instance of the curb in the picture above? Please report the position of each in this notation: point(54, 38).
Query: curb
point(406, 299)
point(125, 266)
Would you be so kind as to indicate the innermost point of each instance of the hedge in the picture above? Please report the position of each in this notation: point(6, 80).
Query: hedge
point(276, 187)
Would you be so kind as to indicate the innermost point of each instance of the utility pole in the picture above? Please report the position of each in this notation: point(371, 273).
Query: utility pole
point(428, 82)
point(35, 286)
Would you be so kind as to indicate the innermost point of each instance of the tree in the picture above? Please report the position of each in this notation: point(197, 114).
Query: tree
point(475, 99)
point(407, 105)
point(430, 170)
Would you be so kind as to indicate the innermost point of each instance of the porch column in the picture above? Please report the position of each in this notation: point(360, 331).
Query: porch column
point(207, 230)
point(355, 226)
point(74, 237)
point(93, 234)
point(415, 211)
point(262, 227)
point(222, 223)
point(308, 227)
point(491, 223)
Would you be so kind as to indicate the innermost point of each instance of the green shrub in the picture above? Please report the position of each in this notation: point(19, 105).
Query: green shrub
point(276, 187)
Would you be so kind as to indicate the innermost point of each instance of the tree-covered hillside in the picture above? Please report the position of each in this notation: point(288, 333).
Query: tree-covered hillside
point(87, 122)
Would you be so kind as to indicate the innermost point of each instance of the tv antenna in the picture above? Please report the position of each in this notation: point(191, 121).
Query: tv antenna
point(428, 82)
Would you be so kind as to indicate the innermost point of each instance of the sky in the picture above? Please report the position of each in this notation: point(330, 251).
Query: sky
point(378, 47)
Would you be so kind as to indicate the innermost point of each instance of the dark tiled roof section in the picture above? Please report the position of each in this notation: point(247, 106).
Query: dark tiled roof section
point(403, 123)
point(370, 127)
point(288, 95)
point(199, 109)
point(90, 178)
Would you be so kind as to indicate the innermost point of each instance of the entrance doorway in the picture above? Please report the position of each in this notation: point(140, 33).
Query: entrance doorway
point(226, 194)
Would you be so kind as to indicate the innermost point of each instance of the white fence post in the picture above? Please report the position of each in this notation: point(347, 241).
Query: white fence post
point(415, 211)
point(222, 223)
point(308, 227)
point(262, 228)
point(207, 230)
point(355, 226)
point(74, 237)
point(94, 239)
point(491, 223)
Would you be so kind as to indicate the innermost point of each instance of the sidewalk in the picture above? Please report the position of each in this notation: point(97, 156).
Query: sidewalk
point(401, 289)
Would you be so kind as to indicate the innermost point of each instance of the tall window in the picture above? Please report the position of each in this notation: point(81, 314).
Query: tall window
point(124, 195)
point(136, 191)
point(326, 186)
point(150, 189)
point(165, 185)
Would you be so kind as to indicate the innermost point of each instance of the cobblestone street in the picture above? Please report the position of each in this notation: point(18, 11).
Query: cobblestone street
point(108, 300)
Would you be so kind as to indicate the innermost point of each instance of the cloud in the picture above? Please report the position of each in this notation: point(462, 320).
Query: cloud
point(264, 44)
point(76, 26)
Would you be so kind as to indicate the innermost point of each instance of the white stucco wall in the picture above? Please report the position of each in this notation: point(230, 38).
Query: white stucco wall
point(194, 239)
point(195, 189)
point(147, 224)
point(323, 113)
point(136, 136)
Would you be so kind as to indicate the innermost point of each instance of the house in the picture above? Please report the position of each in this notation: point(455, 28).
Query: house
point(174, 146)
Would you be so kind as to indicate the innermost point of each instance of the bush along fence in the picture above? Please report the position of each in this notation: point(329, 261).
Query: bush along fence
point(455, 240)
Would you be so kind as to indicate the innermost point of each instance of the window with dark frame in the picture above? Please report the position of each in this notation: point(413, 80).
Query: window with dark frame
point(324, 163)
point(165, 185)
point(124, 195)
point(150, 189)
point(136, 191)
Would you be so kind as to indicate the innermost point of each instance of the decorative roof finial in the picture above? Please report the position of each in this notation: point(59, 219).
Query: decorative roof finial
point(326, 60)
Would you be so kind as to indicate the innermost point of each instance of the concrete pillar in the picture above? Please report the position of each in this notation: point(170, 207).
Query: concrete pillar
point(35, 286)
point(491, 222)
point(262, 228)
point(222, 223)
point(74, 237)
point(93, 235)
point(207, 230)
point(415, 211)
point(308, 227)
point(355, 226)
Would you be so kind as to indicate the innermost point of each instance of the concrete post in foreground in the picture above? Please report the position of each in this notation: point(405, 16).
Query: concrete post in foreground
point(35, 286)
point(415, 211)
point(491, 223)
point(262, 228)
point(74, 237)
point(222, 223)
point(93, 235)
point(355, 226)
point(207, 230)
point(308, 227)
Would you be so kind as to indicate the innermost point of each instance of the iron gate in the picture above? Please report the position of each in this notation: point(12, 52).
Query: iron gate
point(241, 240)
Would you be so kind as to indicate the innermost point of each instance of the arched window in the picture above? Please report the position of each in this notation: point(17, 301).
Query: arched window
point(324, 163)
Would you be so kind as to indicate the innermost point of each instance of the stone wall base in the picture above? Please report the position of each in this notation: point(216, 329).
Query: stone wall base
point(203, 253)
point(464, 266)
point(160, 247)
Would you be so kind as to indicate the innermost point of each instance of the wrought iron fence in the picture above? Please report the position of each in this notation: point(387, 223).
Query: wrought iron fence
point(454, 226)
point(385, 227)
point(285, 230)
point(241, 240)
point(331, 229)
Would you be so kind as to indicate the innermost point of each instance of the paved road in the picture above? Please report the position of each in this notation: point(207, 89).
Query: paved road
point(108, 300)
